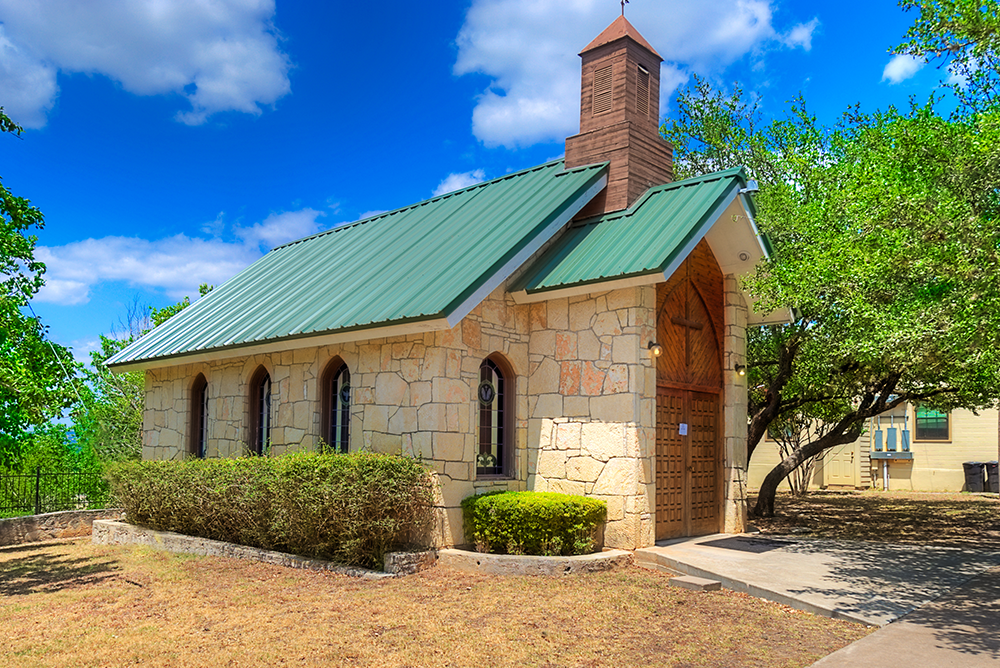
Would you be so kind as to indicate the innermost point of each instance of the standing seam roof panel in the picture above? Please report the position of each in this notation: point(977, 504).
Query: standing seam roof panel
point(641, 240)
point(397, 267)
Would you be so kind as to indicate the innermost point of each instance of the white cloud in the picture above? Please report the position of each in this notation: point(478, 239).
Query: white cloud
point(177, 265)
point(528, 48)
point(279, 228)
point(801, 35)
point(222, 55)
point(901, 68)
point(454, 182)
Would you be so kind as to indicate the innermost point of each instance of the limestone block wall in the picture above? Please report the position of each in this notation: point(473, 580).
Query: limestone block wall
point(734, 408)
point(413, 394)
point(584, 411)
point(591, 405)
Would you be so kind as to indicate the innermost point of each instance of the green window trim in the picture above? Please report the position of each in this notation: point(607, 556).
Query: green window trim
point(931, 425)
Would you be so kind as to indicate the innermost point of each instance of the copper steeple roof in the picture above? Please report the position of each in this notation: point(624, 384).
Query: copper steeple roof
point(620, 28)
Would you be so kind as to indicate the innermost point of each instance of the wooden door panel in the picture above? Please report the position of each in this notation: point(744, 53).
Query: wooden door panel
point(703, 358)
point(689, 325)
point(669, 465)
point(703, 446)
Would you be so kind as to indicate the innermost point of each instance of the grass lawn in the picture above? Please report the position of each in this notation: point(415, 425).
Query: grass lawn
point(71, 603)
point(926, 518)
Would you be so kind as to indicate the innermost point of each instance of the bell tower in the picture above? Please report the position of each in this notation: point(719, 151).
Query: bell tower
point(619, 117)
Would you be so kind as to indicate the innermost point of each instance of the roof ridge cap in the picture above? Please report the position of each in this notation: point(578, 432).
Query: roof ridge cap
point(694, 180)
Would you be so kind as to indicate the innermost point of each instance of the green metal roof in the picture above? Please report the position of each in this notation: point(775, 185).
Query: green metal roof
point(655, 234)
point(427, 261)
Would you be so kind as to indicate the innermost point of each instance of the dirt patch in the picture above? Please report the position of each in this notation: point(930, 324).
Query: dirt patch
point(957, 520)
point(116, 606)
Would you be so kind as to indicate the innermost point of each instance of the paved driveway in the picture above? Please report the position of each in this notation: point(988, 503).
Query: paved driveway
point(870, 583)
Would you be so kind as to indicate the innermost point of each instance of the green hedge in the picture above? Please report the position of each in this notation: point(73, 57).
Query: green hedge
point(347, 508)
point(539, 523)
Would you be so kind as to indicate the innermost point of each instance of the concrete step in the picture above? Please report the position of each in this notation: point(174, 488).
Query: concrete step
point(695, 584)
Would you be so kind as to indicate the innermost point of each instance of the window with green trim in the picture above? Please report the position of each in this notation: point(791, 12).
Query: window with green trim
point(931, 425)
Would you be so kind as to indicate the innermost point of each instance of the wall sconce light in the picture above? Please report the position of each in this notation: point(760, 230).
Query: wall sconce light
point(741, 369)
point(655, 349)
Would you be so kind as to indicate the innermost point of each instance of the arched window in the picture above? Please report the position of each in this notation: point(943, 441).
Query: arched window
point(198, 446)
point(336, 406)
point(260, 412)
point(496, 418)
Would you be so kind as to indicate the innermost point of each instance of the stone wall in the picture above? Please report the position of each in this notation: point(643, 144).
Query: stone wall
point(413, 394)
point(734, 403)
point(579, 363)
point(52, 526)
point(584, 408)
point(592, 393)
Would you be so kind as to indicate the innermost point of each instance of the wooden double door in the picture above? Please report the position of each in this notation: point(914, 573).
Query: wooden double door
point(687, 466)
point(688, 406)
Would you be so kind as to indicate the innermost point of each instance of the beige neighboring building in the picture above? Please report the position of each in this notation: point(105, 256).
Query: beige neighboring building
point(572, 327)
point(907, 449)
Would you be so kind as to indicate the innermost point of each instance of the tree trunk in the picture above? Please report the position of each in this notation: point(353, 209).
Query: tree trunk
point(845, 432)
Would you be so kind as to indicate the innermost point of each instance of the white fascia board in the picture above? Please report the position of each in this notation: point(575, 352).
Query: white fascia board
point(285, 345)
point(525, 254)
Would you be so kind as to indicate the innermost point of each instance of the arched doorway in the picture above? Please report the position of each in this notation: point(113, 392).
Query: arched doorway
point(689, 325)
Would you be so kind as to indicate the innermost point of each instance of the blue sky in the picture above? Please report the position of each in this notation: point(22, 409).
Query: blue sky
point(171, 142)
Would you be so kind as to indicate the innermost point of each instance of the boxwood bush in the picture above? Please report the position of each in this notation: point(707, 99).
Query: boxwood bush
point(538, 523)
point(347, 508)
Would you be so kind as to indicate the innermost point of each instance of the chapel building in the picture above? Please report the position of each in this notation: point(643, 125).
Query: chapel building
point(574, 327)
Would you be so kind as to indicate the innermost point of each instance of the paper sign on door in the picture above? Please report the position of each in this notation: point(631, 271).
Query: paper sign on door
point(684, 429)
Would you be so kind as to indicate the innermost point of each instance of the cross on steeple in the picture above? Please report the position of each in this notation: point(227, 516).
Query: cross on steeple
point(624, 2)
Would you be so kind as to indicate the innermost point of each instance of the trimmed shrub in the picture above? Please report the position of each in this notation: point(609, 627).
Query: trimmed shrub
point(351, 509)
point(538, 523)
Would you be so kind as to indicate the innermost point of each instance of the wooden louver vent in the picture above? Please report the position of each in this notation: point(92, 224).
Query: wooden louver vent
point(602, 90)
point(642, 92)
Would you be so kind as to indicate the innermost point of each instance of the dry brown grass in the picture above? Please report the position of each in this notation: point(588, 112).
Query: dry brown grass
point(958, 520)
point(72, 604)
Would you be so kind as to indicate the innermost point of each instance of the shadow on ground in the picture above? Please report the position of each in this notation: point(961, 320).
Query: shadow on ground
point(955, 520)
point(29, 569)
point(968, 620)
point(881, 580)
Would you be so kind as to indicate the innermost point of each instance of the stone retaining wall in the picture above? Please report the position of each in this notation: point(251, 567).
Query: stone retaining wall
point(121, 533)
point(508, 564)
point(51, 526)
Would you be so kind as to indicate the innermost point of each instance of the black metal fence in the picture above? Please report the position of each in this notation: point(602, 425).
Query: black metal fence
point(51, 491)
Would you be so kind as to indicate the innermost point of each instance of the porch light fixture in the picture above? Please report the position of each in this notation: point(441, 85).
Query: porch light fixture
point(741, 369)
point(655, 349)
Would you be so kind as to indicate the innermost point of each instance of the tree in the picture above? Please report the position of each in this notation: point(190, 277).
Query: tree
point(963, 37)
point(36, 375)
point(886, 242)
point(109, 421)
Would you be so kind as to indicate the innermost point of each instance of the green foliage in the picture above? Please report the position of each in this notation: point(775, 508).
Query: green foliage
point(963, 37)
point(539, 523)
point(110, 419)
point(34, 382)
point(53, 449)
point(161, 315)
point(351, 508)
point(886, 229)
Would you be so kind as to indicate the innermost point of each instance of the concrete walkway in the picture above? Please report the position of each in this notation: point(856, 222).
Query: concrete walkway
point(961, 629)
point(868, 583)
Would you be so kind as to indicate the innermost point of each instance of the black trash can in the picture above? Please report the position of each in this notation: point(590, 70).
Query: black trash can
point(973, 476)
point(993, 477)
